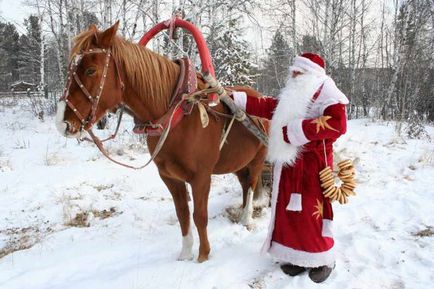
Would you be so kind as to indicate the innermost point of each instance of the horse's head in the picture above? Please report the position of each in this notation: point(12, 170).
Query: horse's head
point(94, 85)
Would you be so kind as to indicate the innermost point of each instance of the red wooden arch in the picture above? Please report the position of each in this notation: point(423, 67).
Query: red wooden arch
point(205, 56)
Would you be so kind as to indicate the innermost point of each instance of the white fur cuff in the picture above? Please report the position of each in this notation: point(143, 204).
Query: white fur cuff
point(327, 228)
point(240, 99)
point(295, 133)
point(294, 203)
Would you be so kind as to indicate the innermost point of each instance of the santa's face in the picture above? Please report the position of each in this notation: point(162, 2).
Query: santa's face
point(301, 84)
point(296, 73)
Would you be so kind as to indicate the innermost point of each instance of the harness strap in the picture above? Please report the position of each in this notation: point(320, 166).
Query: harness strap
point(76, 111)
point(82, 87)
point(113, 135)
point(158, 147)
point(186, 86)
point(226, 133)
point(240, 115)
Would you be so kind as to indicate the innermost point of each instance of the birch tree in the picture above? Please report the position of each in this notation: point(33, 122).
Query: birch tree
point(275, 67)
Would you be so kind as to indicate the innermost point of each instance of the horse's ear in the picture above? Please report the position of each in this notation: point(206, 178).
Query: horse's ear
point(92, 27)
point(105, 39)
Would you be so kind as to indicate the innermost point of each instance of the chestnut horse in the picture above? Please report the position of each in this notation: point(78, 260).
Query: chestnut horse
point(143, 81)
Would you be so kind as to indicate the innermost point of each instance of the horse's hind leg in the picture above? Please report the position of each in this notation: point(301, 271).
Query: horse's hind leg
point(260, 196)
point(247, 215)
point(180, 197)
point(256, 167)
point(247, 211)
point(249, 177)
point(200, 186)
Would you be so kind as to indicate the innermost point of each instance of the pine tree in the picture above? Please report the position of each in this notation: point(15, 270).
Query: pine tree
point(310, 44)
point(9, 48)
point(30, 53)
point(276, 65)
point(415, 128)
point(231, 55)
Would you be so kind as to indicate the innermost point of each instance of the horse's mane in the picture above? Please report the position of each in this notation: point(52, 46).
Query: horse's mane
point(151, 75)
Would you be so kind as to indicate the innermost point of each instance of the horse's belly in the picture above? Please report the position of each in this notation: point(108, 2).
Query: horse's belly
point(238, 152)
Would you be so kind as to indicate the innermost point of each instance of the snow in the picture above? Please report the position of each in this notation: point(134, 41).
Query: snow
point(130, 238)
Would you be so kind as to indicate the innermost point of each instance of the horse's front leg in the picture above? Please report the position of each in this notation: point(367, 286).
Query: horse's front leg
point(180, 197)
point(200, 186)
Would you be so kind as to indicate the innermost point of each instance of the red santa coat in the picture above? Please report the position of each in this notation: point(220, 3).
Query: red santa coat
point(300, 230)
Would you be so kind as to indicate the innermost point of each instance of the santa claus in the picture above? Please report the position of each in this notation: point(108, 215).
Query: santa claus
point(306, 119)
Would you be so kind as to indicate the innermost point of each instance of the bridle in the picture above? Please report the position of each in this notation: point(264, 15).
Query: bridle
point(91, 118)
point(94, 100)
point(176, 104)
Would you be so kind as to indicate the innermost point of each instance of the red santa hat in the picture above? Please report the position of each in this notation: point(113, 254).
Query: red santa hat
point(309, 62)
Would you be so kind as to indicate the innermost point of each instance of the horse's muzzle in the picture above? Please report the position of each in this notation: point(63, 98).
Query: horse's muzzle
point(64, 127)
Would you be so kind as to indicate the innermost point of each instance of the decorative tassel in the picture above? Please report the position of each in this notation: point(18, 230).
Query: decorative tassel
point(346, 175)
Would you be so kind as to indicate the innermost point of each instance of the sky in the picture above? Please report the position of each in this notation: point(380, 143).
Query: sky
point(14, 11)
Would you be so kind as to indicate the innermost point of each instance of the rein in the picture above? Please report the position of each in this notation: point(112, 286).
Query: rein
point(190, 97)
point(160, 144)
point(183, 100)
point(186, 83)
point(91, 118)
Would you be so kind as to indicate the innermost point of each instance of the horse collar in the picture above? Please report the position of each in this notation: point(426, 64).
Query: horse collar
point(178, 107)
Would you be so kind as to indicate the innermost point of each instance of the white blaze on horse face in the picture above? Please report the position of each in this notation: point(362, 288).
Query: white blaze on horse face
point(60, 115)
point(187, 246)
point(61, 124)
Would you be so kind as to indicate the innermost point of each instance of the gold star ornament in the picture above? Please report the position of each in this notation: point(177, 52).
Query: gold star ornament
point(321, 123)
point(319, 209)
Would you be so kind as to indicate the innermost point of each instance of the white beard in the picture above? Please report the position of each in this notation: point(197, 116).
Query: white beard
point(294, 101)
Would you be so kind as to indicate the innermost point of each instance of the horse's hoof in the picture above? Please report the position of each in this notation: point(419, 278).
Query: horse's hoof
point(202, 259)
point(246, 220)
point(251, 227)
point(185, 256)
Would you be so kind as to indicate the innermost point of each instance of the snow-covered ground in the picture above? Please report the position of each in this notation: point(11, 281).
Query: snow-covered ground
point(71, 219)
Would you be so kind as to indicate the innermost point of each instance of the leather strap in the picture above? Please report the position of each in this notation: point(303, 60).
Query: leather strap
point(178, 107)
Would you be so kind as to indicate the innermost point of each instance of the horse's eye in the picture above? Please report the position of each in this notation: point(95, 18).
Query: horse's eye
point(90, 71)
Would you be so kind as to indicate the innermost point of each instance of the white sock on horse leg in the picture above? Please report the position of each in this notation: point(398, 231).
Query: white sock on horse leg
point(246, 216)
point(187, 246)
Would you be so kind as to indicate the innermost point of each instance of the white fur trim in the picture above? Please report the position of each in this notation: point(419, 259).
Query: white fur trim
point(327, 228)
point(295, 133)
point(277, 172)
point(307, 65)
point(329, 95)
point(294, 101)
point(60, 114)
point(285, 254)
point(240, 99)
point(302, 258)
point(294, 203)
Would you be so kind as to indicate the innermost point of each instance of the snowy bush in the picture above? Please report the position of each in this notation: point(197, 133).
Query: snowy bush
point(415, 128)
